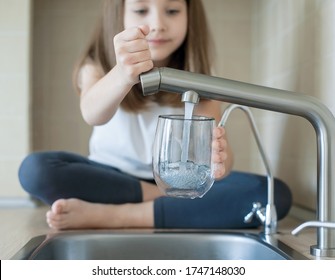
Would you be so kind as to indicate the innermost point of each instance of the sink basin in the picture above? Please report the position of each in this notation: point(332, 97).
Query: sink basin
point(111, 245)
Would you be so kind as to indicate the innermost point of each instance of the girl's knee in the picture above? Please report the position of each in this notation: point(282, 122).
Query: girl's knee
point(32, 171)
point(283, 198)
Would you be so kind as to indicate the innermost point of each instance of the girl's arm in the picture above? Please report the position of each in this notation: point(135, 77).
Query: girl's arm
point(101, 95)
point(222, 153)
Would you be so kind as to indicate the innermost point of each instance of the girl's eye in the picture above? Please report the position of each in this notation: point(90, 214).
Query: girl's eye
point(172, 12)
point(140, 11)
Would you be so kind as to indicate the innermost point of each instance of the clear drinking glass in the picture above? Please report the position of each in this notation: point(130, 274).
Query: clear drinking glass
point(182, 155)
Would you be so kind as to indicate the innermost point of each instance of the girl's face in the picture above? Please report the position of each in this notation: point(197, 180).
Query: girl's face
point(167, 20)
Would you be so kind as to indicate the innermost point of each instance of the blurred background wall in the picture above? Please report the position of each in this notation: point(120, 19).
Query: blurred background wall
point(15, 90)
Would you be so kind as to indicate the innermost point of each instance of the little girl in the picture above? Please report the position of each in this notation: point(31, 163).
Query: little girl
point(114, 187)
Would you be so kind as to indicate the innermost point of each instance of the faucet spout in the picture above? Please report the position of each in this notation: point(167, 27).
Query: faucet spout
point(190, 96)
point(178, 81)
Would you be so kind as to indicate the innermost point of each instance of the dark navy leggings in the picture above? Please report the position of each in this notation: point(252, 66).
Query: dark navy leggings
point(49, 176)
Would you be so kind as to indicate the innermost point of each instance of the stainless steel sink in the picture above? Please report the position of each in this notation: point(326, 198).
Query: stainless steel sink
point(111, 245)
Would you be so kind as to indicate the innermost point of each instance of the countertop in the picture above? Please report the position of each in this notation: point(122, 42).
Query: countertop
point(19, 225)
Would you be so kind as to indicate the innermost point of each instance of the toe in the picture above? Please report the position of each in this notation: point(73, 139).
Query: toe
point(59, 206)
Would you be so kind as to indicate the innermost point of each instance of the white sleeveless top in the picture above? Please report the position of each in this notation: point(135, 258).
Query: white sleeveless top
point(126, 141)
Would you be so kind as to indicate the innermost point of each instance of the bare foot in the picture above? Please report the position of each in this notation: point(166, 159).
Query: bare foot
point(150, 191)
point(78, 214)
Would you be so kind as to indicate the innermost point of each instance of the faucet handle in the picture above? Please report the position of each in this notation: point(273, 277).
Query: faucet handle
point(257, 211)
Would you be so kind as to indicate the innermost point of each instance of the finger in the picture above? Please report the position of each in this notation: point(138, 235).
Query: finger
point(219, 170)
point(137, 45)
point(219, 132)
point(131, 59)
point(219, 145)
point(130, 34)
point(145, 29)
point(219, 157)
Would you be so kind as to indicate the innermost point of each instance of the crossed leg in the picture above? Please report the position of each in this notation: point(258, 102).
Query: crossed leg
point(77, 214)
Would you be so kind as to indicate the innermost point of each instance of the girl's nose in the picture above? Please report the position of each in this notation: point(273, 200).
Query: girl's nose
point(157, 23)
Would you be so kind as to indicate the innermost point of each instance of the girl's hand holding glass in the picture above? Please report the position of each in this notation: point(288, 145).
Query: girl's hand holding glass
point(219, 152)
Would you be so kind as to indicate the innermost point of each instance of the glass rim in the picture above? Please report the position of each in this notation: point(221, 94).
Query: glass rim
point(181, 117)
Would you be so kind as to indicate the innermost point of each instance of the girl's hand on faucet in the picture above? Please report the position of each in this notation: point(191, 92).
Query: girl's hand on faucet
point(219, 152)
point(132, 53)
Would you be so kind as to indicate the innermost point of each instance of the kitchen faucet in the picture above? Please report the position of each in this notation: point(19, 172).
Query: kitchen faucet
point(216, 88)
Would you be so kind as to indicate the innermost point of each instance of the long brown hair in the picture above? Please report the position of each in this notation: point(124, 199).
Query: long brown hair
point(193, 55)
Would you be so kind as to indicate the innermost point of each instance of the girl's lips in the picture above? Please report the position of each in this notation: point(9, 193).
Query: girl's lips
point(157, 41)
